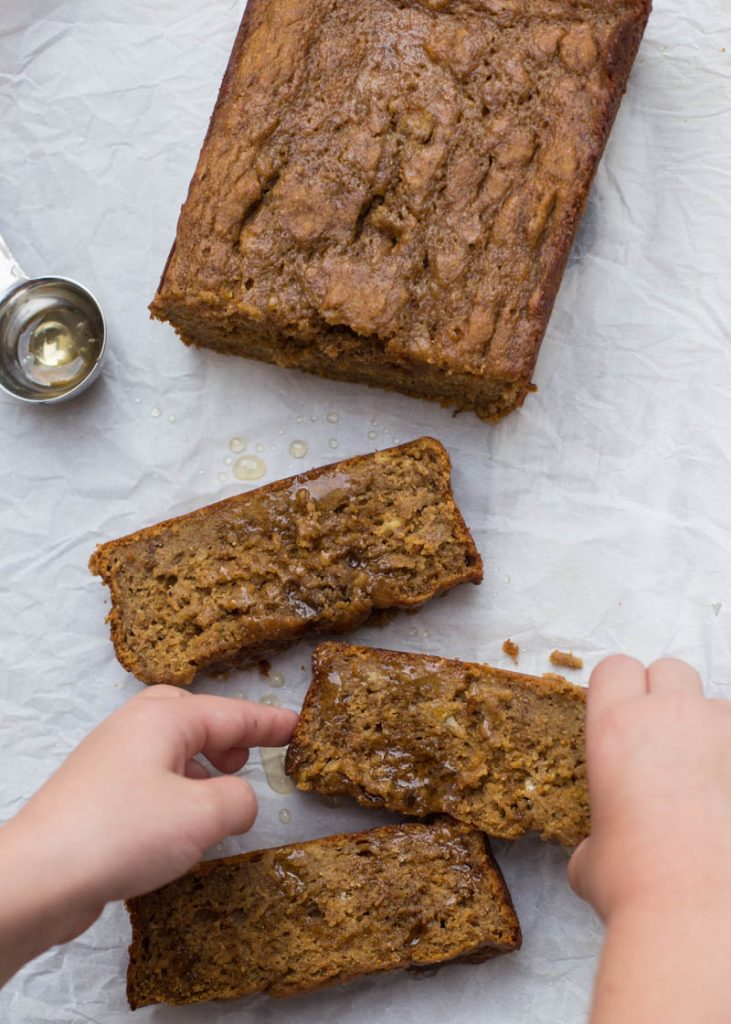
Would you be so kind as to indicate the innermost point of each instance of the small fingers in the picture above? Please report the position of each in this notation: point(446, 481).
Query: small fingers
point(215, 724)
point(229, 761)
point(671, 675)
point(577, 869)
point(230, 807)
point(195, 770)
point(615, 680)
point(161, 690)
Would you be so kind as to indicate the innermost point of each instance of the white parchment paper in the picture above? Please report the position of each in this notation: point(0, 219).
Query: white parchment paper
point(603, 508)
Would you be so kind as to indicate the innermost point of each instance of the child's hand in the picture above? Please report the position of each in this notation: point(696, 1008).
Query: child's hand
point(659, 764)
point(657, 866)
point(130, 810)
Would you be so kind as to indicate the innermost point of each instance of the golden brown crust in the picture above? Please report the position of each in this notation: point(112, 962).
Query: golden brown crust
point(455, 306)
point(177, 589)
point(380, 726)
point(176, 954)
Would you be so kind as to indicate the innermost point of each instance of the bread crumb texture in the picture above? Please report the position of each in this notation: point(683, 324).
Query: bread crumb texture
point(417, 734)
point(231, 583)
point(301, 917)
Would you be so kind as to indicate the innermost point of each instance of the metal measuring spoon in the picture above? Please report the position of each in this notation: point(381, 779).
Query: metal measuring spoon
point(52, 335)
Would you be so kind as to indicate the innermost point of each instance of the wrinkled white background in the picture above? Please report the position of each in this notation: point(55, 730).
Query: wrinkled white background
point(602, 508)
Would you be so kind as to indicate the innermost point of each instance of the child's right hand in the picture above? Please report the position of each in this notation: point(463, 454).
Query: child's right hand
point(657, 865)
point(659, 764)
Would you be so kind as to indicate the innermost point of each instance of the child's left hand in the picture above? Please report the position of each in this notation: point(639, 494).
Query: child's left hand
point(129, 810)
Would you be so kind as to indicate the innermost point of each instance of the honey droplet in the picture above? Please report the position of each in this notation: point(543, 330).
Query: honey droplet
point(155, 412)
point(275, 679)
point(222, 478)
point(285, 816)
point(333, 442)
point(259, 447)
point(271, 699)
point(298, 449)
point(249, 467)
point(237, 444)
point(372, 434)
point(172, 418)
point(332, 417)
point(272, 761)
point(228, 460)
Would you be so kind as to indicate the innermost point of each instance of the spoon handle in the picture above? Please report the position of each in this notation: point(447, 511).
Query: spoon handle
point(10, 272)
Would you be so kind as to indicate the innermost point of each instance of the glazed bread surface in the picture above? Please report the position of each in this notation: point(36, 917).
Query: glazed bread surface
point(233, 582)
point(388, 191)
point(296, 918)
point(417, 734)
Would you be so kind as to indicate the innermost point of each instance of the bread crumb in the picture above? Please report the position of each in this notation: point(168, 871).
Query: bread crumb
point(264, 667)
point(566, 659)
point(512, 650)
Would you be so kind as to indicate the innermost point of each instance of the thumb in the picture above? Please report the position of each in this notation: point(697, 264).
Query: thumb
point(228, 807)
point(578, 867)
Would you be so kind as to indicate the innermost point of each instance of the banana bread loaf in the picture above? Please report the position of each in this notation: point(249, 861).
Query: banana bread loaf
point(388, 191)
point(301, 917)
point(233, 582)
point(416, 734)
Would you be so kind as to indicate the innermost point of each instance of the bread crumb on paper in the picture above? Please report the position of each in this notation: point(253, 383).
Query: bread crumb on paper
point(512, 650)
point(566, 659)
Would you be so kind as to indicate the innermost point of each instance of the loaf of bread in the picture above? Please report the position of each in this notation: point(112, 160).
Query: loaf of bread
point(233, 582)
point(301, 917)
point(416, 734)
point(388, 192)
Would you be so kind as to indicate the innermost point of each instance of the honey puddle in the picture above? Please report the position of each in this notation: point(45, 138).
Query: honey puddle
point(272, 761)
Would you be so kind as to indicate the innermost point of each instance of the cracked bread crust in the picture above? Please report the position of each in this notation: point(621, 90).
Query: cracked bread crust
point(233, 582)
point(389, 189)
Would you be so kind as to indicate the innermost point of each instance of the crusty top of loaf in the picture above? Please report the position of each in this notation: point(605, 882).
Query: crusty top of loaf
point(410, 171)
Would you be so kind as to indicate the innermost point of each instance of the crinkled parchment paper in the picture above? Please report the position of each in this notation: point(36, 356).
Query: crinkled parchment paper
point(603, 508)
